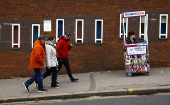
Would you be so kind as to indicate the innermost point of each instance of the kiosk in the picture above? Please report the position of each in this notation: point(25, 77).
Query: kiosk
point(136, 55)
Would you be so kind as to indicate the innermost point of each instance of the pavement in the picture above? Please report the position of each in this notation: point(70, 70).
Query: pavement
point(102, 83)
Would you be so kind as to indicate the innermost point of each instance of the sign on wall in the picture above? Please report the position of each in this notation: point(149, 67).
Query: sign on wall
point(47, 25)
point(134, 14)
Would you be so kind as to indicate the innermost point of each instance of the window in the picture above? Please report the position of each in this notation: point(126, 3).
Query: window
point(35, 32)
point(121, 26)
point(59, 28)
point(143, 27)
point(79, 30)
point(163, 26)
point(15, 35)
point(98, 31)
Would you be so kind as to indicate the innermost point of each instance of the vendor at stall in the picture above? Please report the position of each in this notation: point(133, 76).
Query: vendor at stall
point(131, 38)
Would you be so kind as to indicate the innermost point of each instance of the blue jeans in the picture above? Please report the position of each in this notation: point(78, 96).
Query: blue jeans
point(37, 76)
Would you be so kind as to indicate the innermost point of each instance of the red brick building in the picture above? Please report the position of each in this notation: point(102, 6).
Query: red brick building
point(95, 27)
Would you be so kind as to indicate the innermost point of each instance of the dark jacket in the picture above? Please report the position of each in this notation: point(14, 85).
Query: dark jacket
point(128, 41)
point(63, 47)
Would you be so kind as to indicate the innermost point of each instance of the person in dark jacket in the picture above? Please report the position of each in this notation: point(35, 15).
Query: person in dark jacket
point(62, 56)
point(131, 38)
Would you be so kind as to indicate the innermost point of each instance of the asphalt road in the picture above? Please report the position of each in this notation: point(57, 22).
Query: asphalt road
point(158, 99)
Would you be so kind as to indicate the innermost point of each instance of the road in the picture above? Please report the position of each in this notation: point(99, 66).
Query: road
point(157, 99)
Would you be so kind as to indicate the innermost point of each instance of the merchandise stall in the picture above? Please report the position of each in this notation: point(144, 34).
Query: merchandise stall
point(136, 55)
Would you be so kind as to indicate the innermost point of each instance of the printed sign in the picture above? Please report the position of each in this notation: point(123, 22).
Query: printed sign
point(47, 25)
point(134, 14)
point(136, 50)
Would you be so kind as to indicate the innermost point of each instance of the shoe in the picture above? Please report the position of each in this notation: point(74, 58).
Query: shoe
point(73, 80)
point(41, 91)
point(55, 87)
point(36, 84)
point(26, 87)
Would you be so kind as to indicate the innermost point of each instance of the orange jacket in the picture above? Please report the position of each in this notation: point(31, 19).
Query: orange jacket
point(38, 55)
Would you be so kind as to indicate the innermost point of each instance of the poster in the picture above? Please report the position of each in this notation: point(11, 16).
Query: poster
point(47, 25)
point(137, 59)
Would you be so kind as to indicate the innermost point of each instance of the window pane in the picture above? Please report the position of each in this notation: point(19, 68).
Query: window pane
point(79, 41)
point(98, 41)
point(163, 28)
point(79, 29)
point(142, 19)
point(35, 33)
point(163, 36)
point(142, 28)
point(99, 30)
point(122, 27)
point(15, 34)
point(60, 28)
point(15, 46)
point(163, 19)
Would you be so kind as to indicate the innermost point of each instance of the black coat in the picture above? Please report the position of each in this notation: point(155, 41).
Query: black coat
point(128, 41)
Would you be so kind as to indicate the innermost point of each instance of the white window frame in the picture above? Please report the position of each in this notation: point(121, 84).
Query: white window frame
point(145, 29)
point(13, 35)
point(33, 32)
point(121, 21)
point(96, 30)
point(82, 30)
point(166, 35)
point(57, 28)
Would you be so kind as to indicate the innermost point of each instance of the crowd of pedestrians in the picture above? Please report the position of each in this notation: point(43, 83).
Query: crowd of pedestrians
point(45, 53)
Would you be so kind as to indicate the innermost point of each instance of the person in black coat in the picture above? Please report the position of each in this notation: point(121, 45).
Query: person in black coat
point(131, 38)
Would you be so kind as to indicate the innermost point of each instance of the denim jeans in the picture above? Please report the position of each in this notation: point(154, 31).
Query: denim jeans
point(37, 76)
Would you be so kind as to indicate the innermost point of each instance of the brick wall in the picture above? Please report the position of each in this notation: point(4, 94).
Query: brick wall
point(108, 56)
